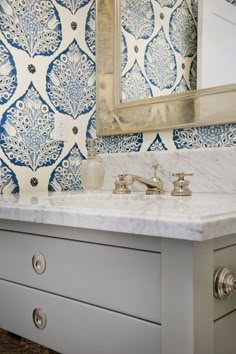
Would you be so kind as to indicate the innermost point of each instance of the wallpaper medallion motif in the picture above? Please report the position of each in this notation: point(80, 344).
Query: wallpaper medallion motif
point(8, 78)
point(25, 132)
point(160, 62)
point(33, 26)
point(66, 176)
point(137, 18)
point(71, 81)
point(183, 31)
point(8, 180)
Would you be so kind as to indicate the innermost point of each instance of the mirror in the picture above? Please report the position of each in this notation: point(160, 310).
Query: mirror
point(142, 87)
point(158, 48)
point(216, 43)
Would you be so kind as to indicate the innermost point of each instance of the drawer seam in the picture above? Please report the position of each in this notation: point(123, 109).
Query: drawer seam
point(225, 315)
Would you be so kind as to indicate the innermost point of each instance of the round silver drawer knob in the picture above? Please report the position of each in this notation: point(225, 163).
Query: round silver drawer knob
point(224, 283)
point(39, 263)
point(39, 318)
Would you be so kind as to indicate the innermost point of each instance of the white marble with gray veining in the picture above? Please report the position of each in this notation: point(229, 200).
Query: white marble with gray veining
point(214, 168)
point(200, 217)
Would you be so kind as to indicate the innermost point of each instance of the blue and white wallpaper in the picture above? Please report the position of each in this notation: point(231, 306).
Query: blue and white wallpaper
point(159, 47)
point(48, 70)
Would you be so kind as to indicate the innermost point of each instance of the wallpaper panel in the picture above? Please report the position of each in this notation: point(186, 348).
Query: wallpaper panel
point(48, 70)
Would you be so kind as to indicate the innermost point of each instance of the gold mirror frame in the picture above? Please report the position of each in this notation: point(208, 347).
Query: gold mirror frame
point(195, 108)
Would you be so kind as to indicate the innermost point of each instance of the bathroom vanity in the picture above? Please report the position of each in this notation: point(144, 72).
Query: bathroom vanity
point(108, 274)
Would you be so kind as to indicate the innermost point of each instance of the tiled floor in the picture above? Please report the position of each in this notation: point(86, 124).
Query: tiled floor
point(11, 344)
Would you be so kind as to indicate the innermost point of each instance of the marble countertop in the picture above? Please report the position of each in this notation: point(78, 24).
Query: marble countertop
point(200, 217)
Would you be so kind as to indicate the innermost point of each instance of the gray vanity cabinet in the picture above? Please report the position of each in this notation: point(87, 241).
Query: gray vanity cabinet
point(110, 277)
point(72, 326)
point(80, 291)
point(225, 338)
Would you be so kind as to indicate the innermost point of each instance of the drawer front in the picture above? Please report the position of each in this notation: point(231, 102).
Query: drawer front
point(124, 280)
point(224, 335)
point(225, 257)
point(73, 327)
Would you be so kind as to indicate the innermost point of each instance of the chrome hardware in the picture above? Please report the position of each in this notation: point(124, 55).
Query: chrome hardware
point(181, 186)
point(39, 263)
point(154, 184)
point(121, 185)
point(39, 318)
point(224, 283)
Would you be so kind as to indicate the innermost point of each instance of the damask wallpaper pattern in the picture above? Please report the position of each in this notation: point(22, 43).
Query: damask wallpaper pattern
point(48, 70)
point(159, 47)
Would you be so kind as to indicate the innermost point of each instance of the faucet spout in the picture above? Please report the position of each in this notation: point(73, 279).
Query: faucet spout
point(153, 186)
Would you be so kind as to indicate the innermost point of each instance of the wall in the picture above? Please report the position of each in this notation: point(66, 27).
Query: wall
point(47, 68)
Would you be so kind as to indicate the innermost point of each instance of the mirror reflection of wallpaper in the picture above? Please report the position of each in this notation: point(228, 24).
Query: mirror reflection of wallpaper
point(159, 47)
point(47, 70)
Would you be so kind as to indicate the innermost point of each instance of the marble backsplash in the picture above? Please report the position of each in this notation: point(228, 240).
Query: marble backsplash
point(214, 169)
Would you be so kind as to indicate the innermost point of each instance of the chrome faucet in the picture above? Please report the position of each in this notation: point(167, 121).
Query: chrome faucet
point(154, 184)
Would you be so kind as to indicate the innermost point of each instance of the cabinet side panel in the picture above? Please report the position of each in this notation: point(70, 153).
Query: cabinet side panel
point(177, 297)
point(203, 298)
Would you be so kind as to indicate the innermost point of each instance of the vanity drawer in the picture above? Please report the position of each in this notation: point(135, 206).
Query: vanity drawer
point(120, 279)
point(225, 257)
point(73, 327)
point(224, 335)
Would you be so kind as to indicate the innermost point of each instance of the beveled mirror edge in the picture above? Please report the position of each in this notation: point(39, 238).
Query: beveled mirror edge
point(195, 108)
